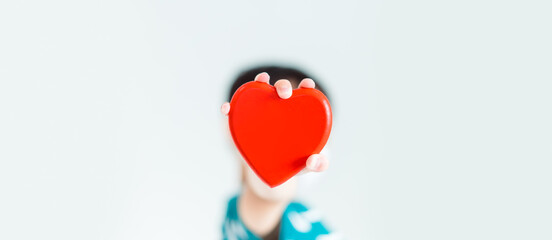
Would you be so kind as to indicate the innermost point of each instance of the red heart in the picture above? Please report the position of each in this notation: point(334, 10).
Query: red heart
point(276, 136)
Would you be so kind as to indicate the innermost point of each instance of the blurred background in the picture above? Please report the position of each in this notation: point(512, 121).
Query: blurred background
point(110, 125)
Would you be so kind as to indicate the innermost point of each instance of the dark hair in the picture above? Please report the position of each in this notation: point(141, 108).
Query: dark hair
point(276, 73)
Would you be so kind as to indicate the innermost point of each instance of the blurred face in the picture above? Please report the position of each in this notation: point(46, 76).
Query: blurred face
point(284, 192)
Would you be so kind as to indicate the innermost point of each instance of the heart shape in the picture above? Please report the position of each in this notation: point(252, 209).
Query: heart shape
point(276, 136)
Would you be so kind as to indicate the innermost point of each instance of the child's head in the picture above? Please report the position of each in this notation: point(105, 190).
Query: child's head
point(250, 180)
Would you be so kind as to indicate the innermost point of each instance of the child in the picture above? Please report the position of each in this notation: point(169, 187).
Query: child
point(261, 212)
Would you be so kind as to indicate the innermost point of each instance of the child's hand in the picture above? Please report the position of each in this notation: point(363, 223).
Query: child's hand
point(316, 162)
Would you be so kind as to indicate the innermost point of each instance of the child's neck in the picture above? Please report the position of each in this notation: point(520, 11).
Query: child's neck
point(259, 215)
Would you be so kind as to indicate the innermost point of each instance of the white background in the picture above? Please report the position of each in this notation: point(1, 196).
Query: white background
point(110, 125)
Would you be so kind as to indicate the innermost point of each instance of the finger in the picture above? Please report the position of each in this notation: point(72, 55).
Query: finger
point(307, 83)
point(283, 88)
point(317, 163)
point(225, 108)
point(262, 77)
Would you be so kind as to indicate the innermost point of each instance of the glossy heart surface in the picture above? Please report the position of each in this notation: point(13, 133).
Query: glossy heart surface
point(276, 136)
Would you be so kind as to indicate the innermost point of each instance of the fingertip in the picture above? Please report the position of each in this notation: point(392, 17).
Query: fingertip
point(313, 162)
point(307, 83)
point(225, 108)
point(283, 88)
point(317, 163)
point(262, 77)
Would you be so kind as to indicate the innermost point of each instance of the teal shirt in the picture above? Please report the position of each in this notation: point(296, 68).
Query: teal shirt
point(298, 222)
